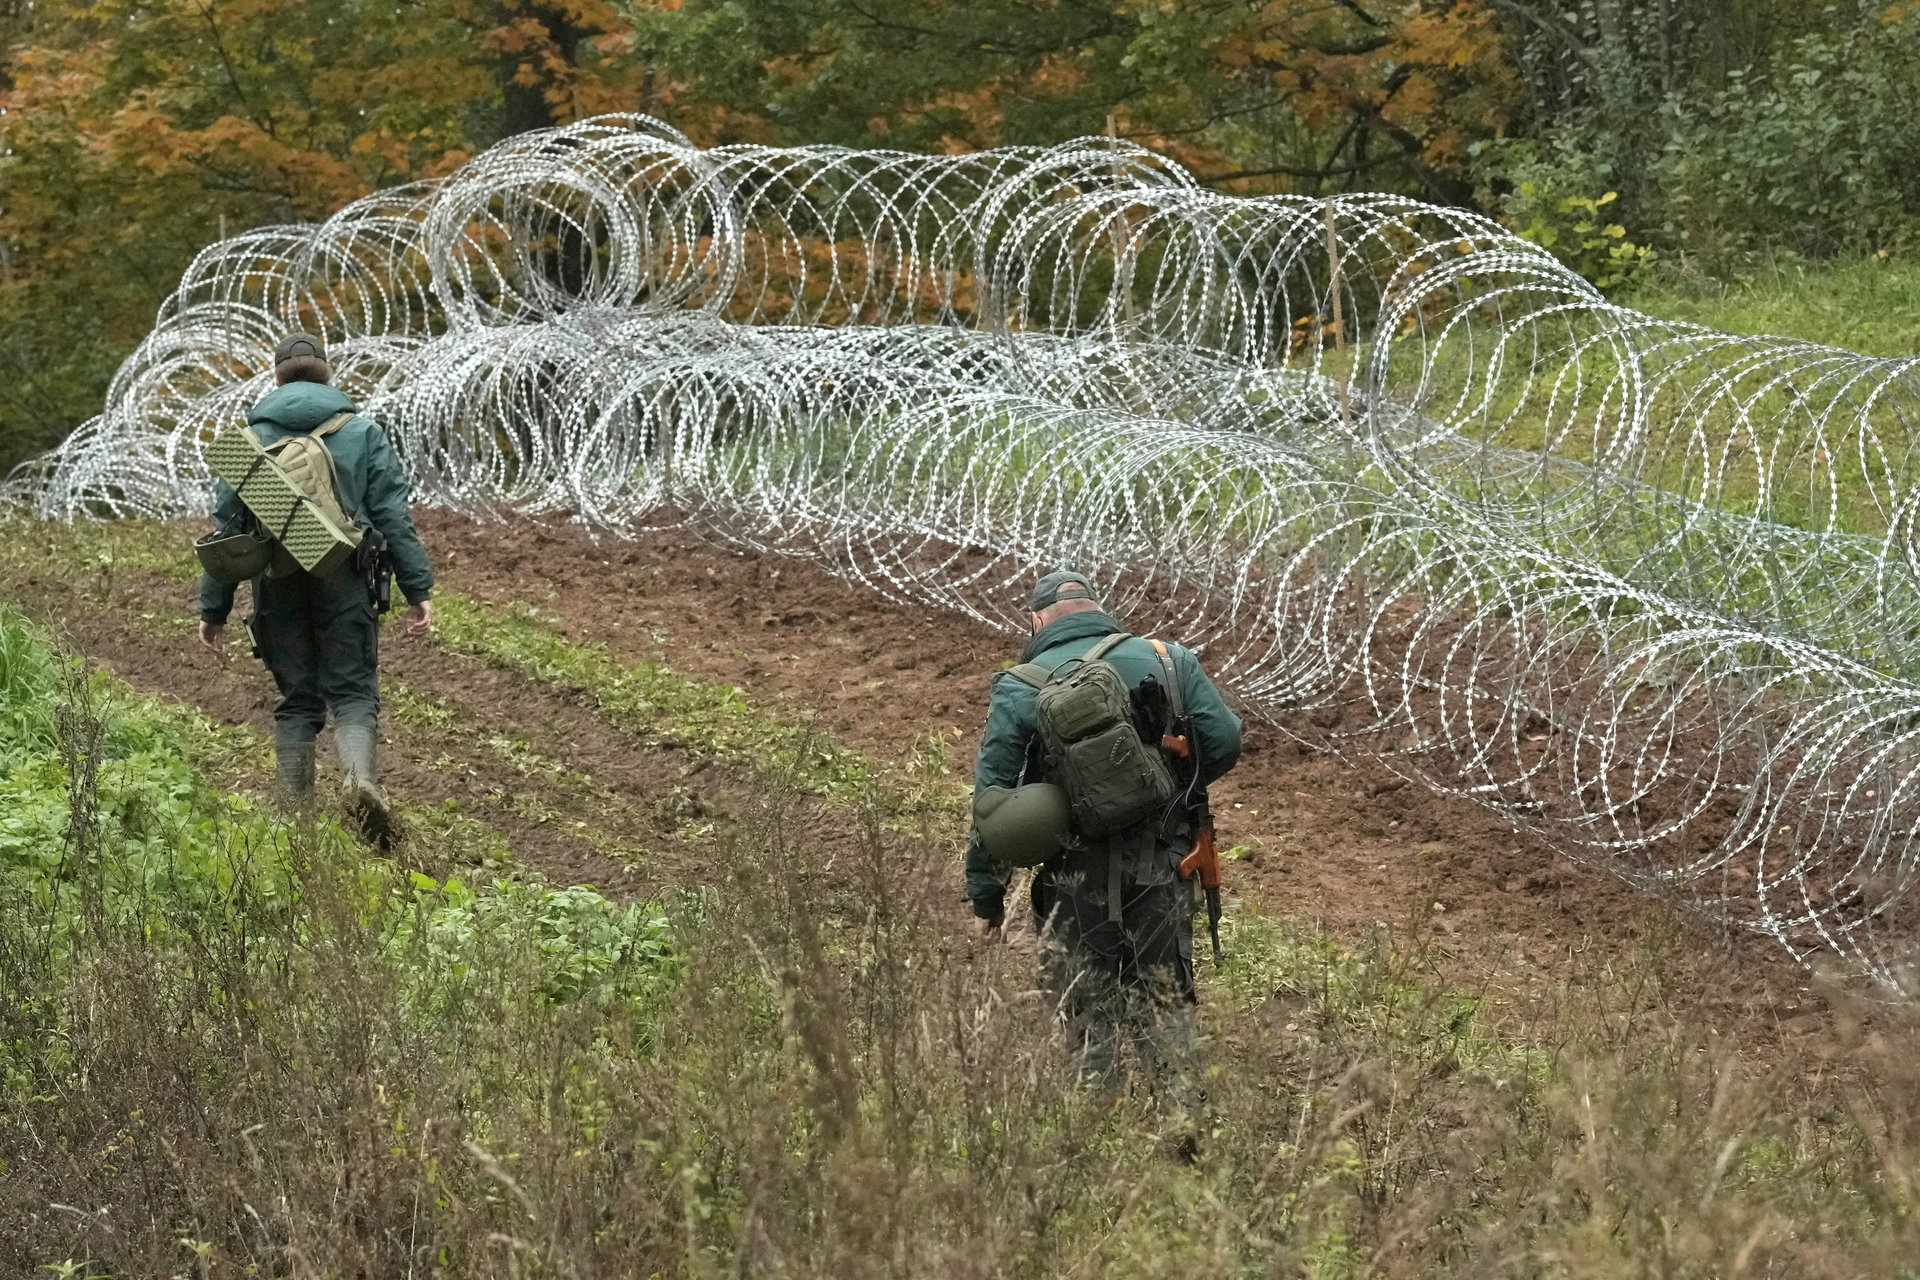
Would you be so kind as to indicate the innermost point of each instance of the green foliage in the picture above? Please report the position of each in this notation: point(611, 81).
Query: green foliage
point(147, 830)
point(1376, 990)
point(1731, 128)
point(1295, 93)
point(1812, 152)
point(106, 823)
point(578, 944)
point(28, 679)
point(132, 133)
point(1576, 227)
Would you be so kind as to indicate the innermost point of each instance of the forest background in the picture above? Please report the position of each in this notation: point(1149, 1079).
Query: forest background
point(1640, 139)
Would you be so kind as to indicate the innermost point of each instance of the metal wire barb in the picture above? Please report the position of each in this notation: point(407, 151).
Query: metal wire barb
point(1645, 589)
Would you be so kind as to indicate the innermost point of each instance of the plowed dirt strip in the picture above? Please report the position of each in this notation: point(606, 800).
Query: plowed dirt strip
point(1349, 846)
point(584, 801)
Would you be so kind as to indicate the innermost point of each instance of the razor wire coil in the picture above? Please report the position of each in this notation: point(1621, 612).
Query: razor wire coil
point(1645, 589)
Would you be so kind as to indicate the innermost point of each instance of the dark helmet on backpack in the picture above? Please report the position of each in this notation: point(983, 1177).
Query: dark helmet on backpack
point(233, 555)
point(301, 357)
point(1022, 826)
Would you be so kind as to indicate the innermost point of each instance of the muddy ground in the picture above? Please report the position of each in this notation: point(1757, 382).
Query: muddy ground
point(1348, 846)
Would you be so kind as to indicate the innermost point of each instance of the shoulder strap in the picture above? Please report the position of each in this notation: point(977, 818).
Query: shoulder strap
point(321, 433)
point(334, 423)
point(1174, 696)
point(1030, 673)
point(1035, 674)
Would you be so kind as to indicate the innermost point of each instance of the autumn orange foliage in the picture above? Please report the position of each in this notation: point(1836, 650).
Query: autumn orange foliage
point(136, 131)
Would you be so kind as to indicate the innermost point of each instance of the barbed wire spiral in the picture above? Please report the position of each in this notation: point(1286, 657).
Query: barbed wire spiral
point(1410, 484)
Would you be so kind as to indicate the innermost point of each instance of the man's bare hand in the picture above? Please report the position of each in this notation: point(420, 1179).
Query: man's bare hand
point(985, 930)
point(420, 618)
point(213, 635)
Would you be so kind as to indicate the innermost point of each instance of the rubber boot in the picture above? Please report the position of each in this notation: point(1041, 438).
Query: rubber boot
point(358, 750)
point(293, 773)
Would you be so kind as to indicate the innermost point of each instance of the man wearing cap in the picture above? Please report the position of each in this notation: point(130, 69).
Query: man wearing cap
point(1115, 918)
point(320, 636)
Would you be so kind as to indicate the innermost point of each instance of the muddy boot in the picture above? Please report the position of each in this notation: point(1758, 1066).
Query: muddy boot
point(293, 773)
point(360, 783)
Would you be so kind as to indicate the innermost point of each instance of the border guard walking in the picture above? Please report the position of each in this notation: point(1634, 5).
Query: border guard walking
point(319, 635)
point(1093, 768)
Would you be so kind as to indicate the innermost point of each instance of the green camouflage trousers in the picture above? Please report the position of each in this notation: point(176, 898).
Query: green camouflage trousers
point(1120, 981)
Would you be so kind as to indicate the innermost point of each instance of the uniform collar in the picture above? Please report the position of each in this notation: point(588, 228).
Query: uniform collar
point(299, 406)
point(1075, 626)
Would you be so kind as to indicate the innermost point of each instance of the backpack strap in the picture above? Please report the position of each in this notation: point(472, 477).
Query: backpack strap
point(1177, 704)
point(1030, 673)
point(321, 433)
point(1174, 698)
point(1035, 674)
point(334, 423)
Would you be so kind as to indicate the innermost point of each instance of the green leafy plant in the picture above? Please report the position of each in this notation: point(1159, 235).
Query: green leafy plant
point(1576, 229)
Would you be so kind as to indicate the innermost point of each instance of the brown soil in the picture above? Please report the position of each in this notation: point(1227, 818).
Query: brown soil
point(584, 801)
point(1349, 846)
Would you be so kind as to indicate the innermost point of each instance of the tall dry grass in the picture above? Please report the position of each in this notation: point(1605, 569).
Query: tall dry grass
point(808, 1072)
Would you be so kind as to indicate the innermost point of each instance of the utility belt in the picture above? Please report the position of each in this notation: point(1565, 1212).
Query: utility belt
point(1109, 869)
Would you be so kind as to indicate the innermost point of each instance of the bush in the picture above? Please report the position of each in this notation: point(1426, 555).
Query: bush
point(1815, 153)
point(1563, 205)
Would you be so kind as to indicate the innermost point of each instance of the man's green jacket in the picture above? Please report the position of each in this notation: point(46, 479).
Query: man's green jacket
point(1009, 747)
point(373, 485)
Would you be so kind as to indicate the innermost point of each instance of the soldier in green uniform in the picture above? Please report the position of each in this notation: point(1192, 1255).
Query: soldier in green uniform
point(1115, 918)
point(320, 636)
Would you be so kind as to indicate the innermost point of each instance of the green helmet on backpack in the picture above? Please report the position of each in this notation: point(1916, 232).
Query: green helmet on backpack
point(1022, 826)
point(233, 555)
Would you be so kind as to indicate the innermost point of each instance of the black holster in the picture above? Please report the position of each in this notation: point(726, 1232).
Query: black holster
point(373, 563)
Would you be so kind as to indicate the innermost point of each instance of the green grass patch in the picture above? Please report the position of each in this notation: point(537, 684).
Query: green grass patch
point(1868, 305)
point(108, 822)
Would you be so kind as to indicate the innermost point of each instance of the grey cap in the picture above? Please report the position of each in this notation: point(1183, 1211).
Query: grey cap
point(301, 357)
point(300, 346)
point(1061, 584)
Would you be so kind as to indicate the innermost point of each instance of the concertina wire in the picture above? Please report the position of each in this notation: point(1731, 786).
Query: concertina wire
point(1413, 487)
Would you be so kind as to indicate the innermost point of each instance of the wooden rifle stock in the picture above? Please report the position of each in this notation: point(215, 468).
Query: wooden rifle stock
point(1203, 861)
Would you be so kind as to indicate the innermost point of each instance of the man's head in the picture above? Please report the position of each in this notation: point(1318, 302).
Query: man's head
point(301, 357)
point(1062, 592)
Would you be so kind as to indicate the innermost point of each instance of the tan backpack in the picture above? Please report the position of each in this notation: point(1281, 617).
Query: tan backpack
point(307, 464)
